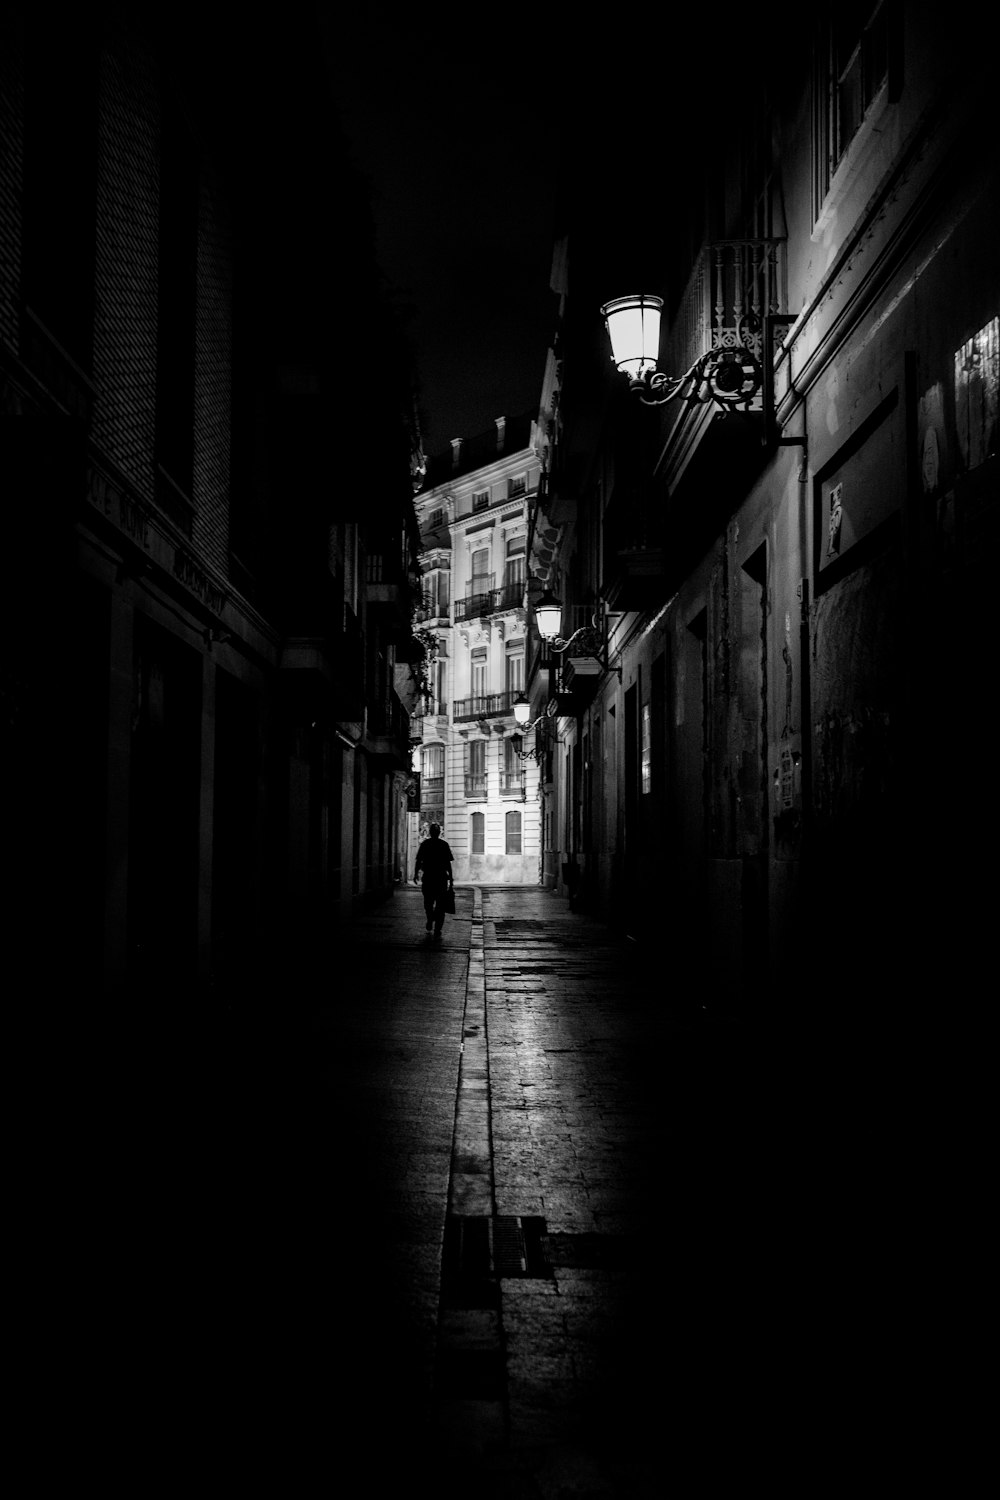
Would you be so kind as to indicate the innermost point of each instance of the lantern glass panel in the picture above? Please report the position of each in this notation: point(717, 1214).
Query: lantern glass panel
point(634, 330)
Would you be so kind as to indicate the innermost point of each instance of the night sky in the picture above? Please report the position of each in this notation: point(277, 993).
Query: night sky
point(454, 125)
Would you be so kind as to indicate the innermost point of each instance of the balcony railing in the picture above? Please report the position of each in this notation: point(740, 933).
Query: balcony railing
point(433, 786)
point(731, 281)
point(485, 707)
point(475, 785)
point(511, 783)
point(490, 601)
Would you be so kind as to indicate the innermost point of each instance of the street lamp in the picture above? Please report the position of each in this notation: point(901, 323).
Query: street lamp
point(522, 718)
point(731, 376)
point(548, 616)
point(589, 640)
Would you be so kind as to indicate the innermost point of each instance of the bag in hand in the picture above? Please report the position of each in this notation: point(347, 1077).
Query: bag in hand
point(449, 900)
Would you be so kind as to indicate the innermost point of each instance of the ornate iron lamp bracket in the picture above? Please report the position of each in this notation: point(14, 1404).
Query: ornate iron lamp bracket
point(589, 641)
point(731, 377)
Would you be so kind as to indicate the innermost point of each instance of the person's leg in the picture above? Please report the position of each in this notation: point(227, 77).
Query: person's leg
point(438, 912)
point(428, 905)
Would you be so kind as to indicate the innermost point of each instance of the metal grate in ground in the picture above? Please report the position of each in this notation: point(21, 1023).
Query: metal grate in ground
point(479, 1252)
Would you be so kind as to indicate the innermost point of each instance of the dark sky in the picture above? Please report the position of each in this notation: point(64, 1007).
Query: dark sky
point(452, 124)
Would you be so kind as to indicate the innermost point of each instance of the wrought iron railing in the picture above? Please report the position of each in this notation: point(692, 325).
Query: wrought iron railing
point(490, 601)
point(475, 784)
point(733, 285)
point(485, 706)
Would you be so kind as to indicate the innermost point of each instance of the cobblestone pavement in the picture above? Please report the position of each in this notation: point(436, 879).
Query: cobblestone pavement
point(515, 1217)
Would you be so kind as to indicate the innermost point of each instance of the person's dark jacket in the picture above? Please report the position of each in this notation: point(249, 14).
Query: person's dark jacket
point(434, 858)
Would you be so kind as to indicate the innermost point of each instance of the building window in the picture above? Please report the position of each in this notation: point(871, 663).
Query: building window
point(480, 500)
point(860, 61)
point(647, 751)
point(480, 669)
point(477, 841)
point(512, 775)
point(433, 773)
point(518, 486)
point(514, 565)
point(514, 667)
point(475, 772)
point(438, 687)
point(480, 570)
point(513, 828)
point(436, 592)
point(436, 519)
point(862, 54)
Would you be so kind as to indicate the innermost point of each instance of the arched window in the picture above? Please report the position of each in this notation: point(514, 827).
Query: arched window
point(478, 840)
point(513, 821)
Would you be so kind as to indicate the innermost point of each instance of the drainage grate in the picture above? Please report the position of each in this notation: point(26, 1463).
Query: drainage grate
point(479, 1252)
point(518, 1248)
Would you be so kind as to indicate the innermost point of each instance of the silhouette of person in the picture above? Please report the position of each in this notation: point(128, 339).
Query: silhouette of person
point(434, 864)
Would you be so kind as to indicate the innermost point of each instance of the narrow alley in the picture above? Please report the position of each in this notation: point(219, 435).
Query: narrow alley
point(517, 1215)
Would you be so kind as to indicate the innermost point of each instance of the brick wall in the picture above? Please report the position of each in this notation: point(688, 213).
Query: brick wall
point(213, 374)
point(126, 268)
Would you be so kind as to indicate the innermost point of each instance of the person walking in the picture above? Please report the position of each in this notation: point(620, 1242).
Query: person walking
point(434, 865)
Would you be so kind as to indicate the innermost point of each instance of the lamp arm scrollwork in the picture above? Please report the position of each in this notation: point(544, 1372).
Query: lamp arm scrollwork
point(589, 641)
point(730, 376)
point(589, 635)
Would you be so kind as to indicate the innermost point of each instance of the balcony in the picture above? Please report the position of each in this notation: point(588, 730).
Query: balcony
point(475, 786)
point(512, 784)
point(732, 280)
point(733, 285)
point(490, 601)
point(433, 788)
point(488, 706)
